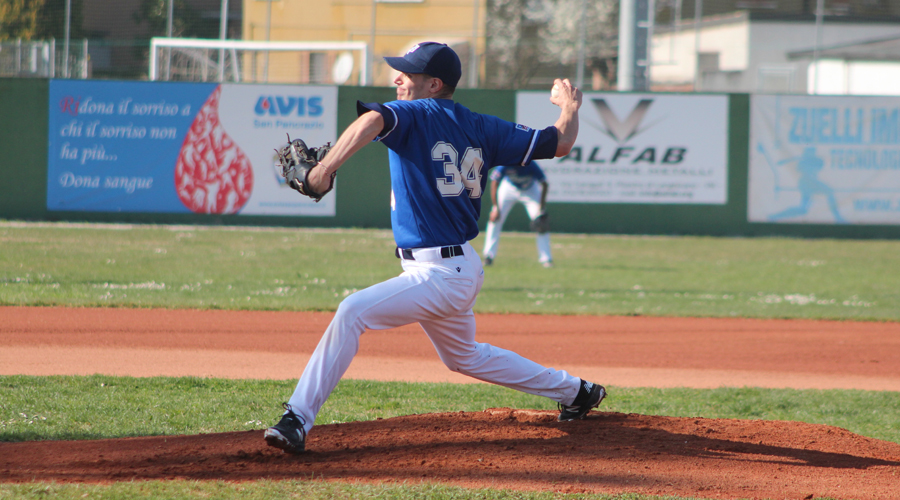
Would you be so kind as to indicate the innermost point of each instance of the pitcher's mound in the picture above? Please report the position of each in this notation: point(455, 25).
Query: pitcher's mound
point(504, 448)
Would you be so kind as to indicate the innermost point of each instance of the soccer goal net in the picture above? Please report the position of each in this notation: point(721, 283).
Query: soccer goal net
point(198, 60)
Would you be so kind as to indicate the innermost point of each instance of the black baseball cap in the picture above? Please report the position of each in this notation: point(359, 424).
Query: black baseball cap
point(431, 58)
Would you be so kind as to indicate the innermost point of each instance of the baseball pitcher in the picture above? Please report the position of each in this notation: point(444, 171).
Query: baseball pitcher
point(440, 153)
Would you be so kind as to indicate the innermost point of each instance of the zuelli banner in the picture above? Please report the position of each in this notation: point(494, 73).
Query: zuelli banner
point(182, 147)
point(638, 148)
point(824, 160)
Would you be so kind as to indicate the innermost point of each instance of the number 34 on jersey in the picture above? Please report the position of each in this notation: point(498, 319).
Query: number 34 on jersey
point(458, 175)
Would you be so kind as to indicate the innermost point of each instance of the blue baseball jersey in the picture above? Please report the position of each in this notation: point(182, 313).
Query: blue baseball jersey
point(440, 153)
point(520, 176)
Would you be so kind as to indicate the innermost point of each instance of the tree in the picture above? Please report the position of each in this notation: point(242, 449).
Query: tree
point(51, 22)
point(562, 32)
point(511, 43)
point(39, 19)
point(186, 23)
point(17, 19)
point(528, 38)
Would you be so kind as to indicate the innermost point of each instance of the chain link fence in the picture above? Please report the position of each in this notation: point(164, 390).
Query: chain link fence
point(693, 45)
point(104, 38)
point(783, 46)
point(43, 59)
point(523, 43)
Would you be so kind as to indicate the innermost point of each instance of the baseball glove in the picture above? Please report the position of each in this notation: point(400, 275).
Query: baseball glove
point(541, 223)
point(297, 160)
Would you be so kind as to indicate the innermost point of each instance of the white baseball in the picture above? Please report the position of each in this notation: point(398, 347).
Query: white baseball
point(554, 91)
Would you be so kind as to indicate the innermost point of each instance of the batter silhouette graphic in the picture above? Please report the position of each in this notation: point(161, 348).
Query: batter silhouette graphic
point(809, 164)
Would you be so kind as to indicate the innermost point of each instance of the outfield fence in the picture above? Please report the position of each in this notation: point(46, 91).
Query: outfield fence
point(754, 171)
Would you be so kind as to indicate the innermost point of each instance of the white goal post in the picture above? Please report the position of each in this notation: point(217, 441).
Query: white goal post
point(194, 59)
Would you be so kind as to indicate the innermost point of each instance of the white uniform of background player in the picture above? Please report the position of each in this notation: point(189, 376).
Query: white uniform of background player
point(511, 184)
point(439, 154)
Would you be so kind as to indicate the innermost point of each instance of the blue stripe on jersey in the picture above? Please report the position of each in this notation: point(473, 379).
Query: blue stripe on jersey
point(440, 153)
point(545, 145)
point(528, 153)
point(390, 118)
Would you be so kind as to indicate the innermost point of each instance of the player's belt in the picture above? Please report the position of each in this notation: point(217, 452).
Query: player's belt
point(429, 253)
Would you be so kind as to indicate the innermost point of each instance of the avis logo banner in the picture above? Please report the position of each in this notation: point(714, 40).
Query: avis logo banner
point(278, 105)
point(635, 148)
point(181, 147)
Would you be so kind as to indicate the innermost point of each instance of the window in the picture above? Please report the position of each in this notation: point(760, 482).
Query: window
point(318, 72)
point(775, 79)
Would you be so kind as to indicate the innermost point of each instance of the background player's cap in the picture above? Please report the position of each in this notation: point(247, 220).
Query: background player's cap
point(431, 58)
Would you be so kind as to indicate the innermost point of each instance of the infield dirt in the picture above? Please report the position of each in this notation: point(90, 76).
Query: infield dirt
point(497, 448)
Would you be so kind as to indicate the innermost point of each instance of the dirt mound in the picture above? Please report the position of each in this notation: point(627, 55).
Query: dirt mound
point(504, 448)
point(498, 448)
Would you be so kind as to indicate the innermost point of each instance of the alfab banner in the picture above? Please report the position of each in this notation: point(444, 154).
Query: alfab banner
point(638, 148)
point(182, 147)
point(824, 160)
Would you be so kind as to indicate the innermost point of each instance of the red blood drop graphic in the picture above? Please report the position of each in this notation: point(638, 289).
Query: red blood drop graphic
point(213, 175)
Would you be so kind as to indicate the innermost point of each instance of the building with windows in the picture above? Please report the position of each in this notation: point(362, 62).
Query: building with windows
point(389, 27)
point(772, 52)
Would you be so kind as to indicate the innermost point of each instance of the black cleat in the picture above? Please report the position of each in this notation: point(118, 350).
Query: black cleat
point(589, 396)
point(488, 261)
point(289, 434)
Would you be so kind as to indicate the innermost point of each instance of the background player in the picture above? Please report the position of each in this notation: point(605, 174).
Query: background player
point(439, 154)
point(511, 184)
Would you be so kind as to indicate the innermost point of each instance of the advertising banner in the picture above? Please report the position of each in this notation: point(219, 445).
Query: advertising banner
point(635, 148)
point(824, 160)
point(181, 147)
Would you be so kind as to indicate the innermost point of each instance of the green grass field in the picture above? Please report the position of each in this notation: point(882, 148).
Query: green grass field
point(302, 269)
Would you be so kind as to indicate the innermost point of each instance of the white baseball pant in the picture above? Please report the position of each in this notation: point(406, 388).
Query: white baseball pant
point(439, 294)
point(507, 197)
